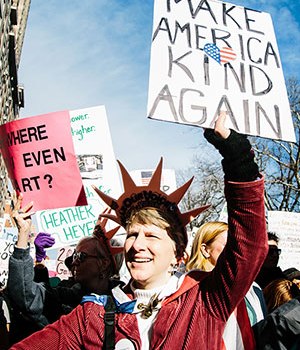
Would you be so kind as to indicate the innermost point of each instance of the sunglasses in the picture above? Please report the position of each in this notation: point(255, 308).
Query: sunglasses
point(82, 256)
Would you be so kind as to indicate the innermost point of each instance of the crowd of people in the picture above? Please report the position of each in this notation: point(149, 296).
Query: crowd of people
point(228, 293)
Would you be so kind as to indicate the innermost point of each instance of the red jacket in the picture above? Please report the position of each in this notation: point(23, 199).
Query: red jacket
point(193, 317)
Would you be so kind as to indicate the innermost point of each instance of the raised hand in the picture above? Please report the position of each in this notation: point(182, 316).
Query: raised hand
point(238, 163)
point(220, 128)
point(42, 240)
point(22, 218)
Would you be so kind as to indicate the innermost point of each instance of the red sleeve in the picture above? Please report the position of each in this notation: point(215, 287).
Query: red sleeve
point(244, 252)
point(66, 333)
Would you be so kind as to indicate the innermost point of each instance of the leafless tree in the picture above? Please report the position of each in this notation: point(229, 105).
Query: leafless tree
point(207, 188)
point(280, 161)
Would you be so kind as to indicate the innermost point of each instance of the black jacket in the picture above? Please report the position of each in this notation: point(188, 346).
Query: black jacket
point(280, 330)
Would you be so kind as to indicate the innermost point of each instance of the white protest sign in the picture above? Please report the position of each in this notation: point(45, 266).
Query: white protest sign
point(168, 179)
point(2, 222)
point(98, 166)
point(287, 226)
point(10, 234)
point(6, 249)
point(56, 261)
point(191, 236)
point(208, 56)
point(223, 216)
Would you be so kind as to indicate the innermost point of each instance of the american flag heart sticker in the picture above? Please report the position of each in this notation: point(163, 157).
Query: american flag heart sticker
point(222, 56)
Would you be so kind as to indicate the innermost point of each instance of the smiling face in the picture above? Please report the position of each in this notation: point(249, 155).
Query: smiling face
point(149, 254)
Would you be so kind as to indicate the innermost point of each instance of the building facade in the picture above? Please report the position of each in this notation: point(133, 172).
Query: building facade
point(13, 19)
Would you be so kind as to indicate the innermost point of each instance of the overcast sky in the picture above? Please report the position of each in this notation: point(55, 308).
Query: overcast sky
point(84, 53)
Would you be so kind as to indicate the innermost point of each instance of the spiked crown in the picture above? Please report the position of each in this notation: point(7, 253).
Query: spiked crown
point(136, 198)
point(105, 236)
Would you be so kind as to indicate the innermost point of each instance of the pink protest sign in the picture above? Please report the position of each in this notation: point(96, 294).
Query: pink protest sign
point(40, 159)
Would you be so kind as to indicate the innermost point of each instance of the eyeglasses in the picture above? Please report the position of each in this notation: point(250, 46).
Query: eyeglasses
point(274, 251)
point(82, 256)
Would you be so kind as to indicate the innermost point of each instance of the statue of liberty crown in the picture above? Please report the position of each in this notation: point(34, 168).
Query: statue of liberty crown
point(101, 232)
point(136, 198)
point(105, 236)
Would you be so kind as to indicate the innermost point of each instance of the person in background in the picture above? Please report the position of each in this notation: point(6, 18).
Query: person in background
point(39, 303)
point(208, 244)
point(160, 309)
point(70, 281)
point(281, 328)
point(4, 321)
point(279, 292)
point(293, 275)
point(42, 241)
point(270, 270)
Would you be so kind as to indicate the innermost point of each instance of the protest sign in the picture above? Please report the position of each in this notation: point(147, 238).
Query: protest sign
point(6, 249)
point(40, 159)
point(55, 261)
point(2, 223)
point(168, 179)
point(208, 56)
point(286, 225)
point(98, 166)
point(8, 233)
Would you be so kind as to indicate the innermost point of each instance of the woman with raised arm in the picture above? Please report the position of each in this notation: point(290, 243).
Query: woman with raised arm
point(37, 304)
point(160, 309)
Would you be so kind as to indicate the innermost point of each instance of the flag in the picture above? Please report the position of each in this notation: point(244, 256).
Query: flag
point(146, 177)
point(222, 56)
point(212, 51)
point(227, 54)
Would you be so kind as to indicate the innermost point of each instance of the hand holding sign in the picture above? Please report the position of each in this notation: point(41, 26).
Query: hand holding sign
point(238, 157)
point(220, 128)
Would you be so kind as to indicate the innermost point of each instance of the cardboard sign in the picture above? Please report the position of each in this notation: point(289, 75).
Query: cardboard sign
point(40, 159)
point(6, 249)
point(98, 166)
point(168, 179)
point(2, 227)
point(208, 56)
point(286, 226)
point(8, 233)
point(56, 261)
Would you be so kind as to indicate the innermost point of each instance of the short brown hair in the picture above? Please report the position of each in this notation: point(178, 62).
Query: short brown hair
point(153, 216)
